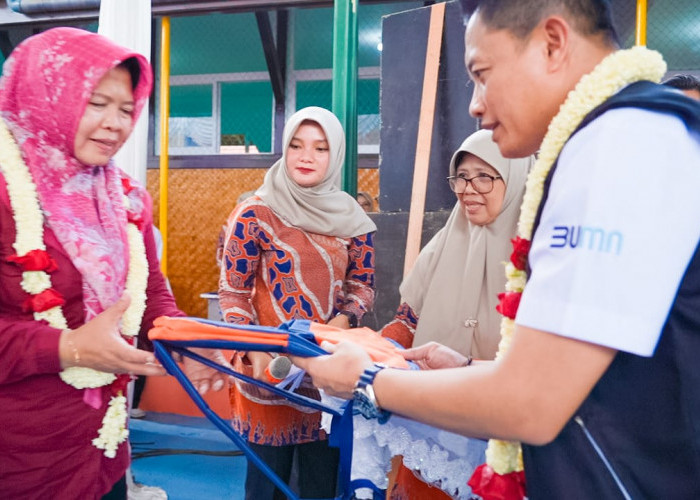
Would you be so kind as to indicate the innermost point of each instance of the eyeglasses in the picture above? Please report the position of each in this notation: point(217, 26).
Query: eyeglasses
point(482, 183)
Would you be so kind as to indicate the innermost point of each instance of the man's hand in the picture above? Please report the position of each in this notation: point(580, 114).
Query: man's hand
point(336, 374)
point(433, 356)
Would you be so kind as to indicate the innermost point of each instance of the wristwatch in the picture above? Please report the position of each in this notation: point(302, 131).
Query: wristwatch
point(352, 319)
point(365, 402)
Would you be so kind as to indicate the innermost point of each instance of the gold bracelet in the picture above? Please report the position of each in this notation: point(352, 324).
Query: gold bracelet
point(71, 344)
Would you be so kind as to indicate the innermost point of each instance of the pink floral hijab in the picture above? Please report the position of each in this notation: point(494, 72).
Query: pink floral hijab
point(46, 84)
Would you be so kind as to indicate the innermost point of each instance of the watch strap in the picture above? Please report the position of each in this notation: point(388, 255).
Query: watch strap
point(352, 318)
point(367, 376)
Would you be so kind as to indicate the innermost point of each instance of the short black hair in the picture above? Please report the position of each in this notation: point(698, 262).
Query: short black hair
point(683, 82)
point(520, 17)
point(134, 68)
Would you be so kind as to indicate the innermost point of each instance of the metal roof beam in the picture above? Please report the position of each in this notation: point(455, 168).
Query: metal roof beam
point(272, 56)
point(62, 11)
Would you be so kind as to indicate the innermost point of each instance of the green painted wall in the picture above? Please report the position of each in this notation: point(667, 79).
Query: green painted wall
point(318, 93)
point(313, 34)
point(215, 43)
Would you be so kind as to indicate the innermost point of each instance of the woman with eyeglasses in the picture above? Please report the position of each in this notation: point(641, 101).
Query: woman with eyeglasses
point(450, 295)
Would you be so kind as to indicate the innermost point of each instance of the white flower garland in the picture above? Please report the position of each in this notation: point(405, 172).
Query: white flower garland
point(29, 225)
point(113, 430)
point(615, 72)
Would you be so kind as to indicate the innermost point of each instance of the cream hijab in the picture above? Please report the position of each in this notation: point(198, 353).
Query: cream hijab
point(324, 208)
point(460, 272)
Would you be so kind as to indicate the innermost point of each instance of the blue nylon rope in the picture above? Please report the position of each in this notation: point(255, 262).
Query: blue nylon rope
point(301, 342)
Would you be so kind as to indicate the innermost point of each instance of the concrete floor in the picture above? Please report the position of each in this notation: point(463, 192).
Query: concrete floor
point(208, 472)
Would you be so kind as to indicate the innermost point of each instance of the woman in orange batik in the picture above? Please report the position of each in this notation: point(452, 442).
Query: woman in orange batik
point(299, 249)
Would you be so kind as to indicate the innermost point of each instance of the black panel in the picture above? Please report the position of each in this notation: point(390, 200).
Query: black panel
point(404, 39)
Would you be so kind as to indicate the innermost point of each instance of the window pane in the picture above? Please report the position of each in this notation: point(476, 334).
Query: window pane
point(314, 93)
point(319, 93)
point(191, 126)
point(246, 117)
point(367, 96)
point(190, 100)
point(368, 122)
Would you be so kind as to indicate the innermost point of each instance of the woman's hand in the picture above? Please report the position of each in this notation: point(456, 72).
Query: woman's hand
point(202, 376)
point(339, 321)
point(259, 361)
point(338, 373)
point(433, 356)
point(98, 345)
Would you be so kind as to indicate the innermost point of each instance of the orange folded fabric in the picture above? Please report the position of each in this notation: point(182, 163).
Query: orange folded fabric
point(379, 349)
point(184, 329)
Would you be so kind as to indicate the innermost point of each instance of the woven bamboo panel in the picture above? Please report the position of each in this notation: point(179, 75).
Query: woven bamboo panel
point(368, 181)
point(200, 201)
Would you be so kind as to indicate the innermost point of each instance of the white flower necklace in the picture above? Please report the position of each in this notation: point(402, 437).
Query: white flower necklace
point(613, 73)
point(29, 223)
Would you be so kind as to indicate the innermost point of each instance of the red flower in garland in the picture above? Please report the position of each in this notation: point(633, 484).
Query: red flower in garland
point(126, 184)
point(122, 381)
point(521, 247)
point(489, 485)
point(136, 219)
point(120, 384)
point(43, 301)
point(509, 303)
point(132, 216)
point(34, 260)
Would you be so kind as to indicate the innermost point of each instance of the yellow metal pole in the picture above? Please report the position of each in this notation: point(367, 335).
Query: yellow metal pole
point(641, 38)
point(164, 116)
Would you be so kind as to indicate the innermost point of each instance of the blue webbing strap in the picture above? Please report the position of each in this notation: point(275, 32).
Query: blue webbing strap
point(341, 436)
point(172, 368)
point(291, 396)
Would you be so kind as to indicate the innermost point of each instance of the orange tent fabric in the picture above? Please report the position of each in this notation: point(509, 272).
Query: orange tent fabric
point(380, 349)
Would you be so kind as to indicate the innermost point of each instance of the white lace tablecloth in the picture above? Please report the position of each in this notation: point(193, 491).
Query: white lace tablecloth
point(444, 459)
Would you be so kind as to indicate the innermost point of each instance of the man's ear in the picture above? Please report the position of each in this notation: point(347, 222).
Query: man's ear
point(556, 33)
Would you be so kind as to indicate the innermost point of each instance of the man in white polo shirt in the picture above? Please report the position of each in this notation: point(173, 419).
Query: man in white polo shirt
point(602, 380)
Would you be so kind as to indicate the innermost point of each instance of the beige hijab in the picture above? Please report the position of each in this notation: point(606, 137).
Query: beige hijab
point(324, 208)
point(454, 284)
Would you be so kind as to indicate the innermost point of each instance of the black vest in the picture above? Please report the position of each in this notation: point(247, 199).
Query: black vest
point(637, 435)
